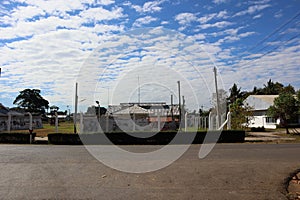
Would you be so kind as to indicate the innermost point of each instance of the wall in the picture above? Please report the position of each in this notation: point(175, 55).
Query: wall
point(20, 122)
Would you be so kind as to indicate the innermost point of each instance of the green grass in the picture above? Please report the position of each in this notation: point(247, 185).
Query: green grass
point(64, 127)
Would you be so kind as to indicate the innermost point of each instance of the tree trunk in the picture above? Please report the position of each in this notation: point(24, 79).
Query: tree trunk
point(285, 124)
point(287, 129)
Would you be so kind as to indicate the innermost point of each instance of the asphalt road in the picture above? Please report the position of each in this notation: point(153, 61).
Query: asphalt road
point(230, 171)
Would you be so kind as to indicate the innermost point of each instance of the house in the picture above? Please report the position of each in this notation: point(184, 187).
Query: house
point(260, 105)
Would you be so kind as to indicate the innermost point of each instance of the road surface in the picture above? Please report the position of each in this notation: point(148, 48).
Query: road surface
point(230, 171)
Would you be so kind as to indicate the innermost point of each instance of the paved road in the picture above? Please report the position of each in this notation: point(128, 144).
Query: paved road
point(231, 171)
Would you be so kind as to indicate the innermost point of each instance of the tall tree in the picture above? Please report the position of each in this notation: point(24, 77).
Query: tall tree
point(272, 88)
point(31, 101)
point(289, 89)
point(235, 93)
point(240, 114)
point(284, 108)
point(54, 108)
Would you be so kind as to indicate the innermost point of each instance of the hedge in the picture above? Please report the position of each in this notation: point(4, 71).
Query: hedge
point(16, 138)
point(142, 138)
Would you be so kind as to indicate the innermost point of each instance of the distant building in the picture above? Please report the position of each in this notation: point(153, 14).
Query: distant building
point(154, 109)
point(61, 115)
point(19, 120)
point(260, 105)
point(146, 116)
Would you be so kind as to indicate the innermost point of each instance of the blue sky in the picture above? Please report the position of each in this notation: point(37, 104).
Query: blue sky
point(48, 44)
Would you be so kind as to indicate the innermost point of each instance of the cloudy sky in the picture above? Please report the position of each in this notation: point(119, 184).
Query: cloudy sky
point(120, 51)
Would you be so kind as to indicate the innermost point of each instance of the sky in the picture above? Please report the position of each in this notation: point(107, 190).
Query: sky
point(137, 51)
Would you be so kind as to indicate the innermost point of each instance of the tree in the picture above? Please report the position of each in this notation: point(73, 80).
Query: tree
point(289, 89)
point(240, 114)
point(235, 93)
point(31, 101)
point(284, 108)
point(54, 108)
point(272, 88)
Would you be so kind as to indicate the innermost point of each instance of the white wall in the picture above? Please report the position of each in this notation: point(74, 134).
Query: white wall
point(260, 121)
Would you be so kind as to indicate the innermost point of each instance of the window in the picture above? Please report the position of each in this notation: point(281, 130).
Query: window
point(270, 120)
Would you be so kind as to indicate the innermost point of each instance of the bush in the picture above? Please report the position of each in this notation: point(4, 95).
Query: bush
point(258, 129)
point(161, 138)
point(16, 138)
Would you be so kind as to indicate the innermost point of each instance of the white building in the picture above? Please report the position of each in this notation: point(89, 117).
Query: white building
point(260, 105)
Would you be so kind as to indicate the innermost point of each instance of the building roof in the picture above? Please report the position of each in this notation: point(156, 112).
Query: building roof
point(260, 102)
point(135, 109)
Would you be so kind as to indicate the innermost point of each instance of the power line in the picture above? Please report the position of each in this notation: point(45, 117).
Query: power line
point(274, 40)
point(272, 50)
point(275, 31)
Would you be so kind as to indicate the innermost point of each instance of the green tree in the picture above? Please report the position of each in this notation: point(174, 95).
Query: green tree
point(235, 93)
point(272, 88)
point(240, 114)
point(298, 101)
point(31, 101)
point(289, 89)
point(54, 108)
point(284, 108)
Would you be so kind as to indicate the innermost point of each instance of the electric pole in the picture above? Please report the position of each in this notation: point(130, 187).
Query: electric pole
point(218, 100)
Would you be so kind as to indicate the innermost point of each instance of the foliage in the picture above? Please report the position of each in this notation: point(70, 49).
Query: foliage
point(235, 93)
point(240, 114)
point(298, 100)
point(284, 108)
point(272, 88)
point(31, 101)
point(54, 108)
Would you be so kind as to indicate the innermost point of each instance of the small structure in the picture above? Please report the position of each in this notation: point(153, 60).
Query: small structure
point(260, 105)
point(147, 116)
point(131, 117)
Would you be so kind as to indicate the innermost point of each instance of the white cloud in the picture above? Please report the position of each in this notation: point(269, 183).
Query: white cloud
point(220, 24)
point(100, 14)
point(148, 7)
point(220, 1)
point(252, 9)
point(258, 71)
point(246, 34)
point(257, 16)
point(185, 18)
point(278, 14)
point(208, 17)
point(105, 2)
point(145, 20)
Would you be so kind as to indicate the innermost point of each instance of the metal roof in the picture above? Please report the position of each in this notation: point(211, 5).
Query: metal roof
point(260, 102)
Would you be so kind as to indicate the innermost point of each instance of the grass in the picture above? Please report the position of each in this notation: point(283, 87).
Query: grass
point(64, 127)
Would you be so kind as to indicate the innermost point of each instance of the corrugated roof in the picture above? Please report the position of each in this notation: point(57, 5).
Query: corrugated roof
point(132, 110)
point(266, 98)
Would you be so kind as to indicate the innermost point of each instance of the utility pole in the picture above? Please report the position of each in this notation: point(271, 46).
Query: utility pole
point(172, 114)
point(107, 97)
point(99, 110)
point(179, 102)
point(218, 100)
point(76, 105)
point(183, 110)
point(139, 91)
